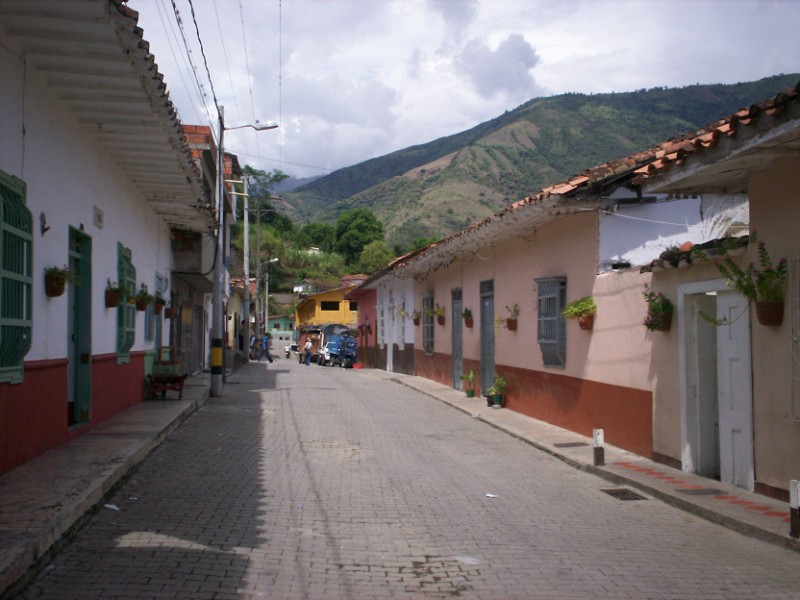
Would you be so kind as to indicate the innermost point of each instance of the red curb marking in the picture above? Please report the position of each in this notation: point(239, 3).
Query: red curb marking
point(757, 507)
point(741, 502)
point(775, 513)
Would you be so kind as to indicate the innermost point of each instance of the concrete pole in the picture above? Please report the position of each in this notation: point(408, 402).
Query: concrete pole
point(217, 314)
point(246, 307)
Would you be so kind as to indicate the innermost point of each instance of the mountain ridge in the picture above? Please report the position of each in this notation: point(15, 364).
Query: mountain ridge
point(437, 188)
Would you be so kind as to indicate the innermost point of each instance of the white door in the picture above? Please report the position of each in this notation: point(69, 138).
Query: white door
point(735, 391)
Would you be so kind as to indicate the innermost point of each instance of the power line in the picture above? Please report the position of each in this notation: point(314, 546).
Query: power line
point(169, 33)
point(188, 52)
point(205, 59)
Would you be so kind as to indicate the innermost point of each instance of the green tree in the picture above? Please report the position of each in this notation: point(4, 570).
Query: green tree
point(374, 256)
point(319, 235)
point(355, 229)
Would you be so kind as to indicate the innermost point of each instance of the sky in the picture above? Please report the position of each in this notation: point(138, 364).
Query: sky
point(350, 80)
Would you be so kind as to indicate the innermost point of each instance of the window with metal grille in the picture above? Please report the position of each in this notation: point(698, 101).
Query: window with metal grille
point(329, 305)
point(16, 280)
point(551, 326)
point(427, 324)
point(126, 312)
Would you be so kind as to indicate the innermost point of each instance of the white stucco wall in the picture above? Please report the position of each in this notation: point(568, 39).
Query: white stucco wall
point(638, 233)
point(67, 174)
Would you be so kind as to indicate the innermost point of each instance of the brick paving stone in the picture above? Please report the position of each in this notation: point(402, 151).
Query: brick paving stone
point(316, 483)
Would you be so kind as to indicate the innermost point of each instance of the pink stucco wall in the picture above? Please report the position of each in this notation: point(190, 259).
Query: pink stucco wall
point(612, 360)
point(774, 198)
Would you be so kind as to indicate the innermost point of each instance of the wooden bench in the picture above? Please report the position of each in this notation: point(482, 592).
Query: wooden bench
point(166, 375)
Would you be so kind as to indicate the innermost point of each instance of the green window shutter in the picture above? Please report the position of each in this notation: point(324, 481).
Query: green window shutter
point(552, 329)
point(16, 280)
point(126, 312)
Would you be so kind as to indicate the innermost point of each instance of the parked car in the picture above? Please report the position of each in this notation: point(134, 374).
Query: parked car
point(338, 350)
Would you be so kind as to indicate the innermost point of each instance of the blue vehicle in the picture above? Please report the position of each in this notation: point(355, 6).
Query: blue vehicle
point(339, 349)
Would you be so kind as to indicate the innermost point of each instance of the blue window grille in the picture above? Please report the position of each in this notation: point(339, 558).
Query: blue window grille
point(551, 331)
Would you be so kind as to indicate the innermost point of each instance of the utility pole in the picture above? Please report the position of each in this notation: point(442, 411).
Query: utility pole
point(217, 313)
point(246, 308)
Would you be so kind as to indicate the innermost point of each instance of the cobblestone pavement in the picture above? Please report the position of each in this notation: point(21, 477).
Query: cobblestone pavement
point(319, 482)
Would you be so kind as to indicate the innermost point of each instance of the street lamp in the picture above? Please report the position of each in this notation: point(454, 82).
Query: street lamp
point(266, 293)
point(218, 314)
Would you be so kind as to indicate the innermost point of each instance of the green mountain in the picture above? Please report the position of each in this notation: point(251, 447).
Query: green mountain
point(435, 189)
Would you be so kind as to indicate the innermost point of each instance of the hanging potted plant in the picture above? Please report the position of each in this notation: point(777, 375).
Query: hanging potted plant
point(416, 316)
point(659, 310)
point(513, 315)
point(143, 298)
point(761, 284)
point(113, 294)
point(468, 378)
point(496, 392)
point(169, 311)
point(56, 279)
point(583, 311)
point(158, 305)
point(467, 314)
point(437, 312)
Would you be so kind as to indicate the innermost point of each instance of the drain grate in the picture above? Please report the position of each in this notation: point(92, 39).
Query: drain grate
point(701, 492)
point(570, 444)
point(624, 494)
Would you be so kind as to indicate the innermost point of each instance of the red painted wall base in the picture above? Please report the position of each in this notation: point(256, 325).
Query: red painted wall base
point(33, 414)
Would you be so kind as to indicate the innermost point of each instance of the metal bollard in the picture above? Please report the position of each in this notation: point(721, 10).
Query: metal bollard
point(794, 511)
point(599, 448)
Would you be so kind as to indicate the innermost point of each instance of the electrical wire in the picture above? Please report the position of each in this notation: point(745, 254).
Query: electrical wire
point(205, 60)
point(170, 35)
point(201, 89)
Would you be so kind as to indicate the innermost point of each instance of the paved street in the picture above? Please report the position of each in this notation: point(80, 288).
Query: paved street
point(312, 482)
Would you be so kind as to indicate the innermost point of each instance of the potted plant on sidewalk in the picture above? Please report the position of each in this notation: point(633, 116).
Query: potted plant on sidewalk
point(496, 392)
point(468, 379)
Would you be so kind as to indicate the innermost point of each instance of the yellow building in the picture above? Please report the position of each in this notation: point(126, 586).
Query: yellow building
point(327, 307)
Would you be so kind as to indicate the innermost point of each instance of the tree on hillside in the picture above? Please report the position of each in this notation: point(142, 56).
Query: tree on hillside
point(355, 229)
point(319, 235)
point(374, 256)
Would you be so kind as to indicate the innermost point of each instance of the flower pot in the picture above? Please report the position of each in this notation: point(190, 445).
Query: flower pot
point(496, 400)
point(141, 305)
point(470, 393)
point(112, 298)
point(511, 324)
point(158, 307)
point(769, 313)
point(416, 321)
point(469, 322)
point(54, 286)
point(440, 320)
point(168, 312)
point(586, 321)
point(662, 323)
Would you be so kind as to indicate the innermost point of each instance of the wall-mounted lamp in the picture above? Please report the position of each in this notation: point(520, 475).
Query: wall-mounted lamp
point(43, 226)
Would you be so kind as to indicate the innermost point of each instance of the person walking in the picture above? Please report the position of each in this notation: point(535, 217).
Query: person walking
point(307, 350)
point(265, 349)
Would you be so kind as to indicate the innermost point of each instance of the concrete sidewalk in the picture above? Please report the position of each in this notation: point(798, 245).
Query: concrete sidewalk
point(47, 498)
point(43, 500)
point(748, 513)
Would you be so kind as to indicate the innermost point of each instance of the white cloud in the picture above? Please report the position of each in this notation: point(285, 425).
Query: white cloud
point(354, 79)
